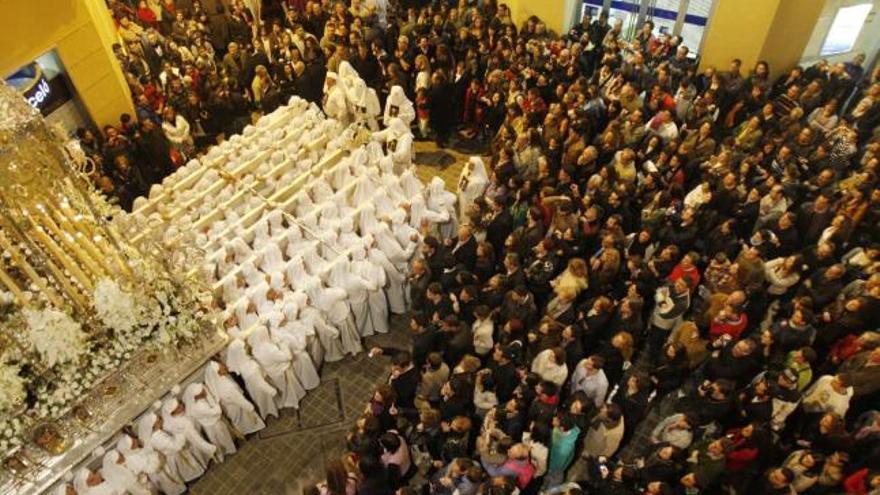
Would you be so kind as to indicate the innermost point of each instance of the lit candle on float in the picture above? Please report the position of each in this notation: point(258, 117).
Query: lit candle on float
point(67, 238)
point(93, 251)
point(94, 242)
point(12, 286)
point(105, 246)
point(19, 260)
point(68, 287)
point(62, 258)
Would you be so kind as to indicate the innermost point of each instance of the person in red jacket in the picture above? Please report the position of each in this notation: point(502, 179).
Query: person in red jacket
point(686, 267)
point(862, 482)
point(729, 321)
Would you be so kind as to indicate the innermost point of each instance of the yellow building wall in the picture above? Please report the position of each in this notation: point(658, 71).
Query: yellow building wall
point(552, 12)
point(753, 30)
point(790, 33)
point(737, 29)
point(82, 32)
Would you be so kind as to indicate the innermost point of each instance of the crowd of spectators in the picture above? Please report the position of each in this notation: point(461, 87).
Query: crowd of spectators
point(669, 285)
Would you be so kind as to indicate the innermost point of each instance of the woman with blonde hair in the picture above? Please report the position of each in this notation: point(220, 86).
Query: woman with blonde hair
point(574, 277)
point(423, 72)
point(695, 347)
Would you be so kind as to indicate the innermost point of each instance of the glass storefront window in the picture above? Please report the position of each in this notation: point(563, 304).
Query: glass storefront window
point(845, 29)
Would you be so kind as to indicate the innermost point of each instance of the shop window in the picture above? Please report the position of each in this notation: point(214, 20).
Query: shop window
point(845, 29)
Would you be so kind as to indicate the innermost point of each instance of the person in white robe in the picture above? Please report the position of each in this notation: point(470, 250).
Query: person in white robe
point(335, 101)
point(375, 276)
point(328, 336)
point(365, 188)
point(271, 258)
point(263, 299)
point(277, 362)
point(295, 241)
point(471, 185)
point(386, 209)
point(441, 200)
point(347, 235)
point(342, 276)
point(245, 312)
point(242, 251)
point(321, 190)
point(88, 482)
point(286, 331)
point(341, 173)
point(207, 414)
point(233, 288)
point(252, 276)
point(427, 220)
point(398, 105)
point(261, 234)
point(65, 487)
point(176, 420)
point(397, 139)
point(347, 77)
point(236, 407)
point(411, 184)
point(178, 456)
point(396, 286)
point(365, 104)
point(329, 217)
point(120, 477)
point(391, 184)
point(149, 467)
point(386, 241)
point(304, 204)
point(276, 223)
point(224, 260)
point(333, 304)
point(261, 392)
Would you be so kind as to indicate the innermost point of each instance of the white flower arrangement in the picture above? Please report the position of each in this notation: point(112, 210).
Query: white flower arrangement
point(12, 393)
point(11, 433)
point(55, 336)
point(115, 307)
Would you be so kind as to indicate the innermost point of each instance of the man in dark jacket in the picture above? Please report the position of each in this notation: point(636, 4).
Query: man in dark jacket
point(309, 83)
point(154, 149)
point(464, 251)
point(442, 113)
point(499, 226)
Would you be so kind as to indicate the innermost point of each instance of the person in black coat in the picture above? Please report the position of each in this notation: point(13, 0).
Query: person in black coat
point(457, 340)
point(309, 83)
point(504, 373)
point(155, 150)
point(437, 257)
point(405, 379)
point(499, 225)
point(437, 304)
point(632, 397)
point(736, 362)
point(418, 281)
point(442, 113)
point(464, 251)
point(374, 481)
point(127, 181)
point(367, 66)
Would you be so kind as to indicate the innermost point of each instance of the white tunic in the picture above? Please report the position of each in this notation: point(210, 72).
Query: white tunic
point(208, 416)
point(176, 421)
point(398, 105)
point(237, 408)
point(261, 392)
point(277, 363)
